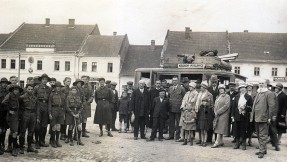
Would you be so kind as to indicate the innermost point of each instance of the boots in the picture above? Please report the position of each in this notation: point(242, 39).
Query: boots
point(53, 143)
point(185, 142)
point(69, 136)
point(110, 134)
point(79, 136)
point(101, 133)
point(2, 146)
point(237, 145)
point(57, 139)
point(191, 142)
point(10, 143)
point(85, 134)
point(21, 141)
point(30, 148)
point(37, 138)
point(14, 151)
point(125, 128)
point(42, 137)
point(63, 132)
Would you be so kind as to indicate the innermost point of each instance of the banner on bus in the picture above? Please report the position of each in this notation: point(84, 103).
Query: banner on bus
point(191, 66)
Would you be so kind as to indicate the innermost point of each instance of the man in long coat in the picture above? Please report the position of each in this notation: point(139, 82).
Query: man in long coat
point(114, 105)
point(140, 107)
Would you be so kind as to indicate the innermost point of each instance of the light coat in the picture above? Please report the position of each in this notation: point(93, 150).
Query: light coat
point(221, 111)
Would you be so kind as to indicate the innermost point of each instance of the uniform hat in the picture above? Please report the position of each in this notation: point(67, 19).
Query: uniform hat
point(185, 80)
point(77, 81)
point(113, 83)
point(108, 82)
point(221, 86)
point(44, 76)
point(204, 84)
point(192, 84)
point(130, 83)
point(279, 85)
point(58, 84)
point(232, 83)
point(101, 79)
point(11, 88)
point(53, 79)
point(242, 85)
point(4, 80)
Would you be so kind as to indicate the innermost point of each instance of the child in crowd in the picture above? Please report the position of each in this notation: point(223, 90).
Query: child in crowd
point(189, 125)
point(123, 107)
point(204, 120)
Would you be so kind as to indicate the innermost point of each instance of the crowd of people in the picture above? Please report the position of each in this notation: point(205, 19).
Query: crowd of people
point(179, 110)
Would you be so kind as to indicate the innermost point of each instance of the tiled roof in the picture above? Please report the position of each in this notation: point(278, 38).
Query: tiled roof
point(3, 37)
point(140, 56)
point(102, 46)
point(252, 45)
point(198, 41)
point(64, 37)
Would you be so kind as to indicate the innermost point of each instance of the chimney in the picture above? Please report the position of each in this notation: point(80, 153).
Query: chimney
point(47, 22)
point(187, 32)
point(245, 31)
point(114, 33)
point(152, 45)
point(71, 23)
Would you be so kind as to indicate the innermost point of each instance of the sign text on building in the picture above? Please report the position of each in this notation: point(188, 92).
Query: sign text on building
point(284, 79)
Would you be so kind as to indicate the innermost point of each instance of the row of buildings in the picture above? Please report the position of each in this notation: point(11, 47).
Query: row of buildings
point(74, 50)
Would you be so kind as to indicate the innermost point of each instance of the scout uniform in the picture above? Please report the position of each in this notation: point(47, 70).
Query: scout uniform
point(89, 96)
point(11, 100)
point(74, 105)
point(130, 90)
point(28, 105)
point(57, 111)
point(42, 92)
point(115, 107)
point(65, 90)
point(3, 112)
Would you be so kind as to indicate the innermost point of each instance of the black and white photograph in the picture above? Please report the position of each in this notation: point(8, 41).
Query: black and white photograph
point(143, 80)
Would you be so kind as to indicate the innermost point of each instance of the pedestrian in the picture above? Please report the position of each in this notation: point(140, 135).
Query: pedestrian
point(251, 125)
point(130, 90)
point(66, 91)
point(160, 105)
point(189, 124)
point(232, 93)
point(154, 92)
point(205, 119)
point(165, 86)
point(140, 108)
point(42, 92)
point(282, 107)
point(103, 113)
point(208, 118)
point(176, 94)
point(3, 113)
point(11, 100)
point(30, 118)
point(221, 111)
point(123, 107)
point(263, 111)
point(56, 113)
point(114, 105)
point(74, 107)
point(189, 100)
point(89, 97)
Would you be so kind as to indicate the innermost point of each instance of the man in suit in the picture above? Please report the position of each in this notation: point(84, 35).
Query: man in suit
point(232, 93)
point(176, 93)
point(263, 111)
point(154, 92)
point(115, 103)
point(160, 105)
point(140, 108)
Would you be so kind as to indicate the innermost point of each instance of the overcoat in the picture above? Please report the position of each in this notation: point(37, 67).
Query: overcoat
point(188, 101)
point(282, 107)
point(175, 98)
point(221, 111)
point(140, 103)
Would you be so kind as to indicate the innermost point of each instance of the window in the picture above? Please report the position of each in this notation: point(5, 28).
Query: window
point(237, 69)
point(94, 66)
point(274, 71)
point(256, 71)
point(13, 64)
point(39, 65)
point(84, 66)
point(22, 66)
point(67, 65)
point(57, 66)
point(110, 67)
point(3, 63)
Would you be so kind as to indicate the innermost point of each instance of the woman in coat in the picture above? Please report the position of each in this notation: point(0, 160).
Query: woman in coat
point(241, 107)
point(221, 111)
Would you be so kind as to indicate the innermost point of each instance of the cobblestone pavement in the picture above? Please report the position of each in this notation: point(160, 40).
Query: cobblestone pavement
point(122, 147)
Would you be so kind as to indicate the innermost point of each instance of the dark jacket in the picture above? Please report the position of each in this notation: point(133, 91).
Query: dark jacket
point(123, 105)
point(282, 104)
point(115, 99)
point(214, 93)
point(161, 109)
point(140, 102)
point(175, 98)
point(248, 108)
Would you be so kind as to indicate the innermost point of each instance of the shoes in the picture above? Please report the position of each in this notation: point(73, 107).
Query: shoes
point(277, 148)
point(169, 138)
point(135, 138)
point(257, 153)
point(71, 143)
point(143, 138)
point(114, 129)
point(260, 155)
point(204, 144)
point(215, 146)
point(250, 143)
point(53, 144)
point(67, 140)
point(42, 144)
point(85, 135)
point(58, 144)
point(87, 131)
point(9, 149)
point(37, 145)
point(80, 143)
point(222, 144)
point(199, 142)
point(21, 150)
point(160, 139)
point(243, 147)
point(14, 152)
point(110, 134)
point(150, 139)
point(62, 137)
point(101, 134)
point(180, 140)
point(31, 149)
point(236, 146)
point(185, 142)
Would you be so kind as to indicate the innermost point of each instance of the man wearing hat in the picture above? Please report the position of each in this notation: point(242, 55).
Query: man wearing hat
point(130, 90)
point(3, 113)
point(89, 96)
point(42, 92)
point(154, 92)
point(56, 113)
point(232, 93)
point(176, 93)
point(115, 105)
point(28, 105)
point(251, 125)
point(263, 111)
point(185, 83)
point(30, 80)
point(11, 100)
point(108, 83)
point(66, 91)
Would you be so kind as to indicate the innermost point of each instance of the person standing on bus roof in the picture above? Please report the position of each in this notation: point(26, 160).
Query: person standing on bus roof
point(176, 93)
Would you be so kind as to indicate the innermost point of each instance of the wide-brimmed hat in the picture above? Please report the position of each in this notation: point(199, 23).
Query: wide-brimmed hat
point(279, 85)
point(242, 85)
point(192, 84)
point(12, 87)
point(4, 80)
point(77, 81)
point(44, 76)
point(204, 84)
point(58, 84)
point(185, 80)
point(221, 86)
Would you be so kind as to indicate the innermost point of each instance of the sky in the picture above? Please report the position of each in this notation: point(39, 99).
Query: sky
point(146, 20)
